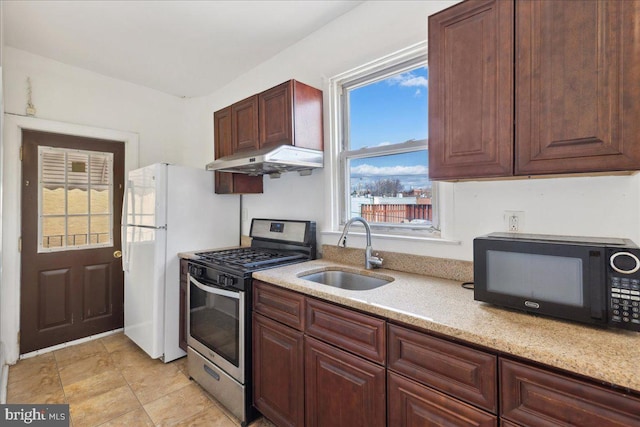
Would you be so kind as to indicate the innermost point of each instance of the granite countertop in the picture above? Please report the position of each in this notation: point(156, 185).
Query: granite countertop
point(443, 306)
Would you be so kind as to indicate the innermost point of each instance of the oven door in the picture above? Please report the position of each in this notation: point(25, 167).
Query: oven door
point(216, 325)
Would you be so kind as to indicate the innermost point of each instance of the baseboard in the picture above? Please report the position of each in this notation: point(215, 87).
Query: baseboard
point(70, 343)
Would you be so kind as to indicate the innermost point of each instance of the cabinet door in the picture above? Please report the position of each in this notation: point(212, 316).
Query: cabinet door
point(342, 390)
point(275, 112)
point(577, 91)
point(182, 332)
point(278, 371)
point(222, 147)
point(535, 397)
point(228, 183)
point(413, 405)
point(471, 91)
point(244, 121)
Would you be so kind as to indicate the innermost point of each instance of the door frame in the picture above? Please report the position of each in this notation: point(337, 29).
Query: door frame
point(11, 209)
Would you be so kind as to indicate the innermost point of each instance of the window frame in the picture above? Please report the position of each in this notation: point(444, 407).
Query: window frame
point(395, 63)
point(42, 149)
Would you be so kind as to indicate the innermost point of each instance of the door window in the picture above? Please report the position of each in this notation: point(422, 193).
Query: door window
point(75, 199)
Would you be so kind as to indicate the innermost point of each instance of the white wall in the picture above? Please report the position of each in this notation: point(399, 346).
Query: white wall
point(80, 102)
point(73, 95)
point(369, 31)
point(593, 206)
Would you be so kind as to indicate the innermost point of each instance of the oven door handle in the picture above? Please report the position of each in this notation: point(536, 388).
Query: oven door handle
point(217, 291)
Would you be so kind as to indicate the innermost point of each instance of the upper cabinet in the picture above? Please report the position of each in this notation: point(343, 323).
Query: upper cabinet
point(291, 114)
point(230, 183)
point(567, 102)
point(288, 114)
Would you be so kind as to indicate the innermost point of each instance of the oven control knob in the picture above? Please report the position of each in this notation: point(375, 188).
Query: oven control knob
point(228, 281)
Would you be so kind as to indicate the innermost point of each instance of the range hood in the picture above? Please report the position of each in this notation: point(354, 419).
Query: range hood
point(270, 161)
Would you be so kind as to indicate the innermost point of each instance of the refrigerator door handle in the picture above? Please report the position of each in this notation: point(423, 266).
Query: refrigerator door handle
point(123, 229)
point(149, 227)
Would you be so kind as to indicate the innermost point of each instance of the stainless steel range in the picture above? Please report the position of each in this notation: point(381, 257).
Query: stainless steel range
point(220, 299)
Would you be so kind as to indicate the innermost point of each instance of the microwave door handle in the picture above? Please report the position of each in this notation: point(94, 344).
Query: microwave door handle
point(597, 277)
point(212, 290)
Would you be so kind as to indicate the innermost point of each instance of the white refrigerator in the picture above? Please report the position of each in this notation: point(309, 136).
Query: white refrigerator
point(167, 209)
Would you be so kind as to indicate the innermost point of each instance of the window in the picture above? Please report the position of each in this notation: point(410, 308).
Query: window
point(381, 127)
point(76, 190)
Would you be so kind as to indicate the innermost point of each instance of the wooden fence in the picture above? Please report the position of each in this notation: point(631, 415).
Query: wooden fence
point(395, 213)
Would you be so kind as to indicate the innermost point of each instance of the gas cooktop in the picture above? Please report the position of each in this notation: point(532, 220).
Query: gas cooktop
point(248, 258)
point(274, 243)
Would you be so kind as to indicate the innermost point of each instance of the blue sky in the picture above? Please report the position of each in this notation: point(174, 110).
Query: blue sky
point(390, 111)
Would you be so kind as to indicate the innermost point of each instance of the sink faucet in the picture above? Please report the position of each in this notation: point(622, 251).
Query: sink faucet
point(370, 261)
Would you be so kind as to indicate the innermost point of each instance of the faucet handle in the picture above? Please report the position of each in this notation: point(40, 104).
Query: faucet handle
point(376, 260)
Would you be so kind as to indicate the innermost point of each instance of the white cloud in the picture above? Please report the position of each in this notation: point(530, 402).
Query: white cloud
point(417, 93)
point(409, 80)
point(370, 170)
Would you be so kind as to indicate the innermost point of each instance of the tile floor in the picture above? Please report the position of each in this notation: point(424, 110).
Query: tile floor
point(111, 382)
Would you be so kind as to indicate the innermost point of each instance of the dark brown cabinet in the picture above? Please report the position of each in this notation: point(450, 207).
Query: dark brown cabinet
point(577, 91)
point(434, 382)
point(291, 114)
point(571, 103)
point(342, 390)
point(278, 371)
point(278, 354)
point(184, 284)
point(332, 387)
point(471, 90)
point(358, 333)
point(414, 405)
point(460, 371)
point(536, 397)
point(230, 183)
point(244, 123)
point(287, 114)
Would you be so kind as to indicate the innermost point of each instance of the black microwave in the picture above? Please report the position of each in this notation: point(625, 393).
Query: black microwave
point(589, 280)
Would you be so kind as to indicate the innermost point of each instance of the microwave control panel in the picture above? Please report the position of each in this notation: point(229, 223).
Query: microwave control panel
point(624, 289)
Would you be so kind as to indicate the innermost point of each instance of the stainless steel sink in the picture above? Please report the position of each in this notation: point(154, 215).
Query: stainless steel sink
point(347, 280)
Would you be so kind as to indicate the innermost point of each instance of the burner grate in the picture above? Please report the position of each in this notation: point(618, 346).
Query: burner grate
point(249, 257)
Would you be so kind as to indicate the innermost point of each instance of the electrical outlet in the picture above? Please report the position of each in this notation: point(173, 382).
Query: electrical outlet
point(514, 221)
point(245, 214)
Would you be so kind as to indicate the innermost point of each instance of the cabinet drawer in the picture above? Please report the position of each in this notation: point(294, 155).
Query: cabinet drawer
point(412, 404)
point(536, 397)
point(358, 333)
point(279, 304)
point(460, 371)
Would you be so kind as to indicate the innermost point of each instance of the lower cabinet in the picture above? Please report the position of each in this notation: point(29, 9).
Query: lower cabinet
point(342, 390)
point(536, 397)
point(301, 380)
point(278, 371)
point(318, 364)
point(414, 405)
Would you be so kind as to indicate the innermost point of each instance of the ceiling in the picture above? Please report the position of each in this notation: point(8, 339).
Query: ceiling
point(183, 48)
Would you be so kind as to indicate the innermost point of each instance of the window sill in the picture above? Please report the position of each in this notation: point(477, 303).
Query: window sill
point(401, 237)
